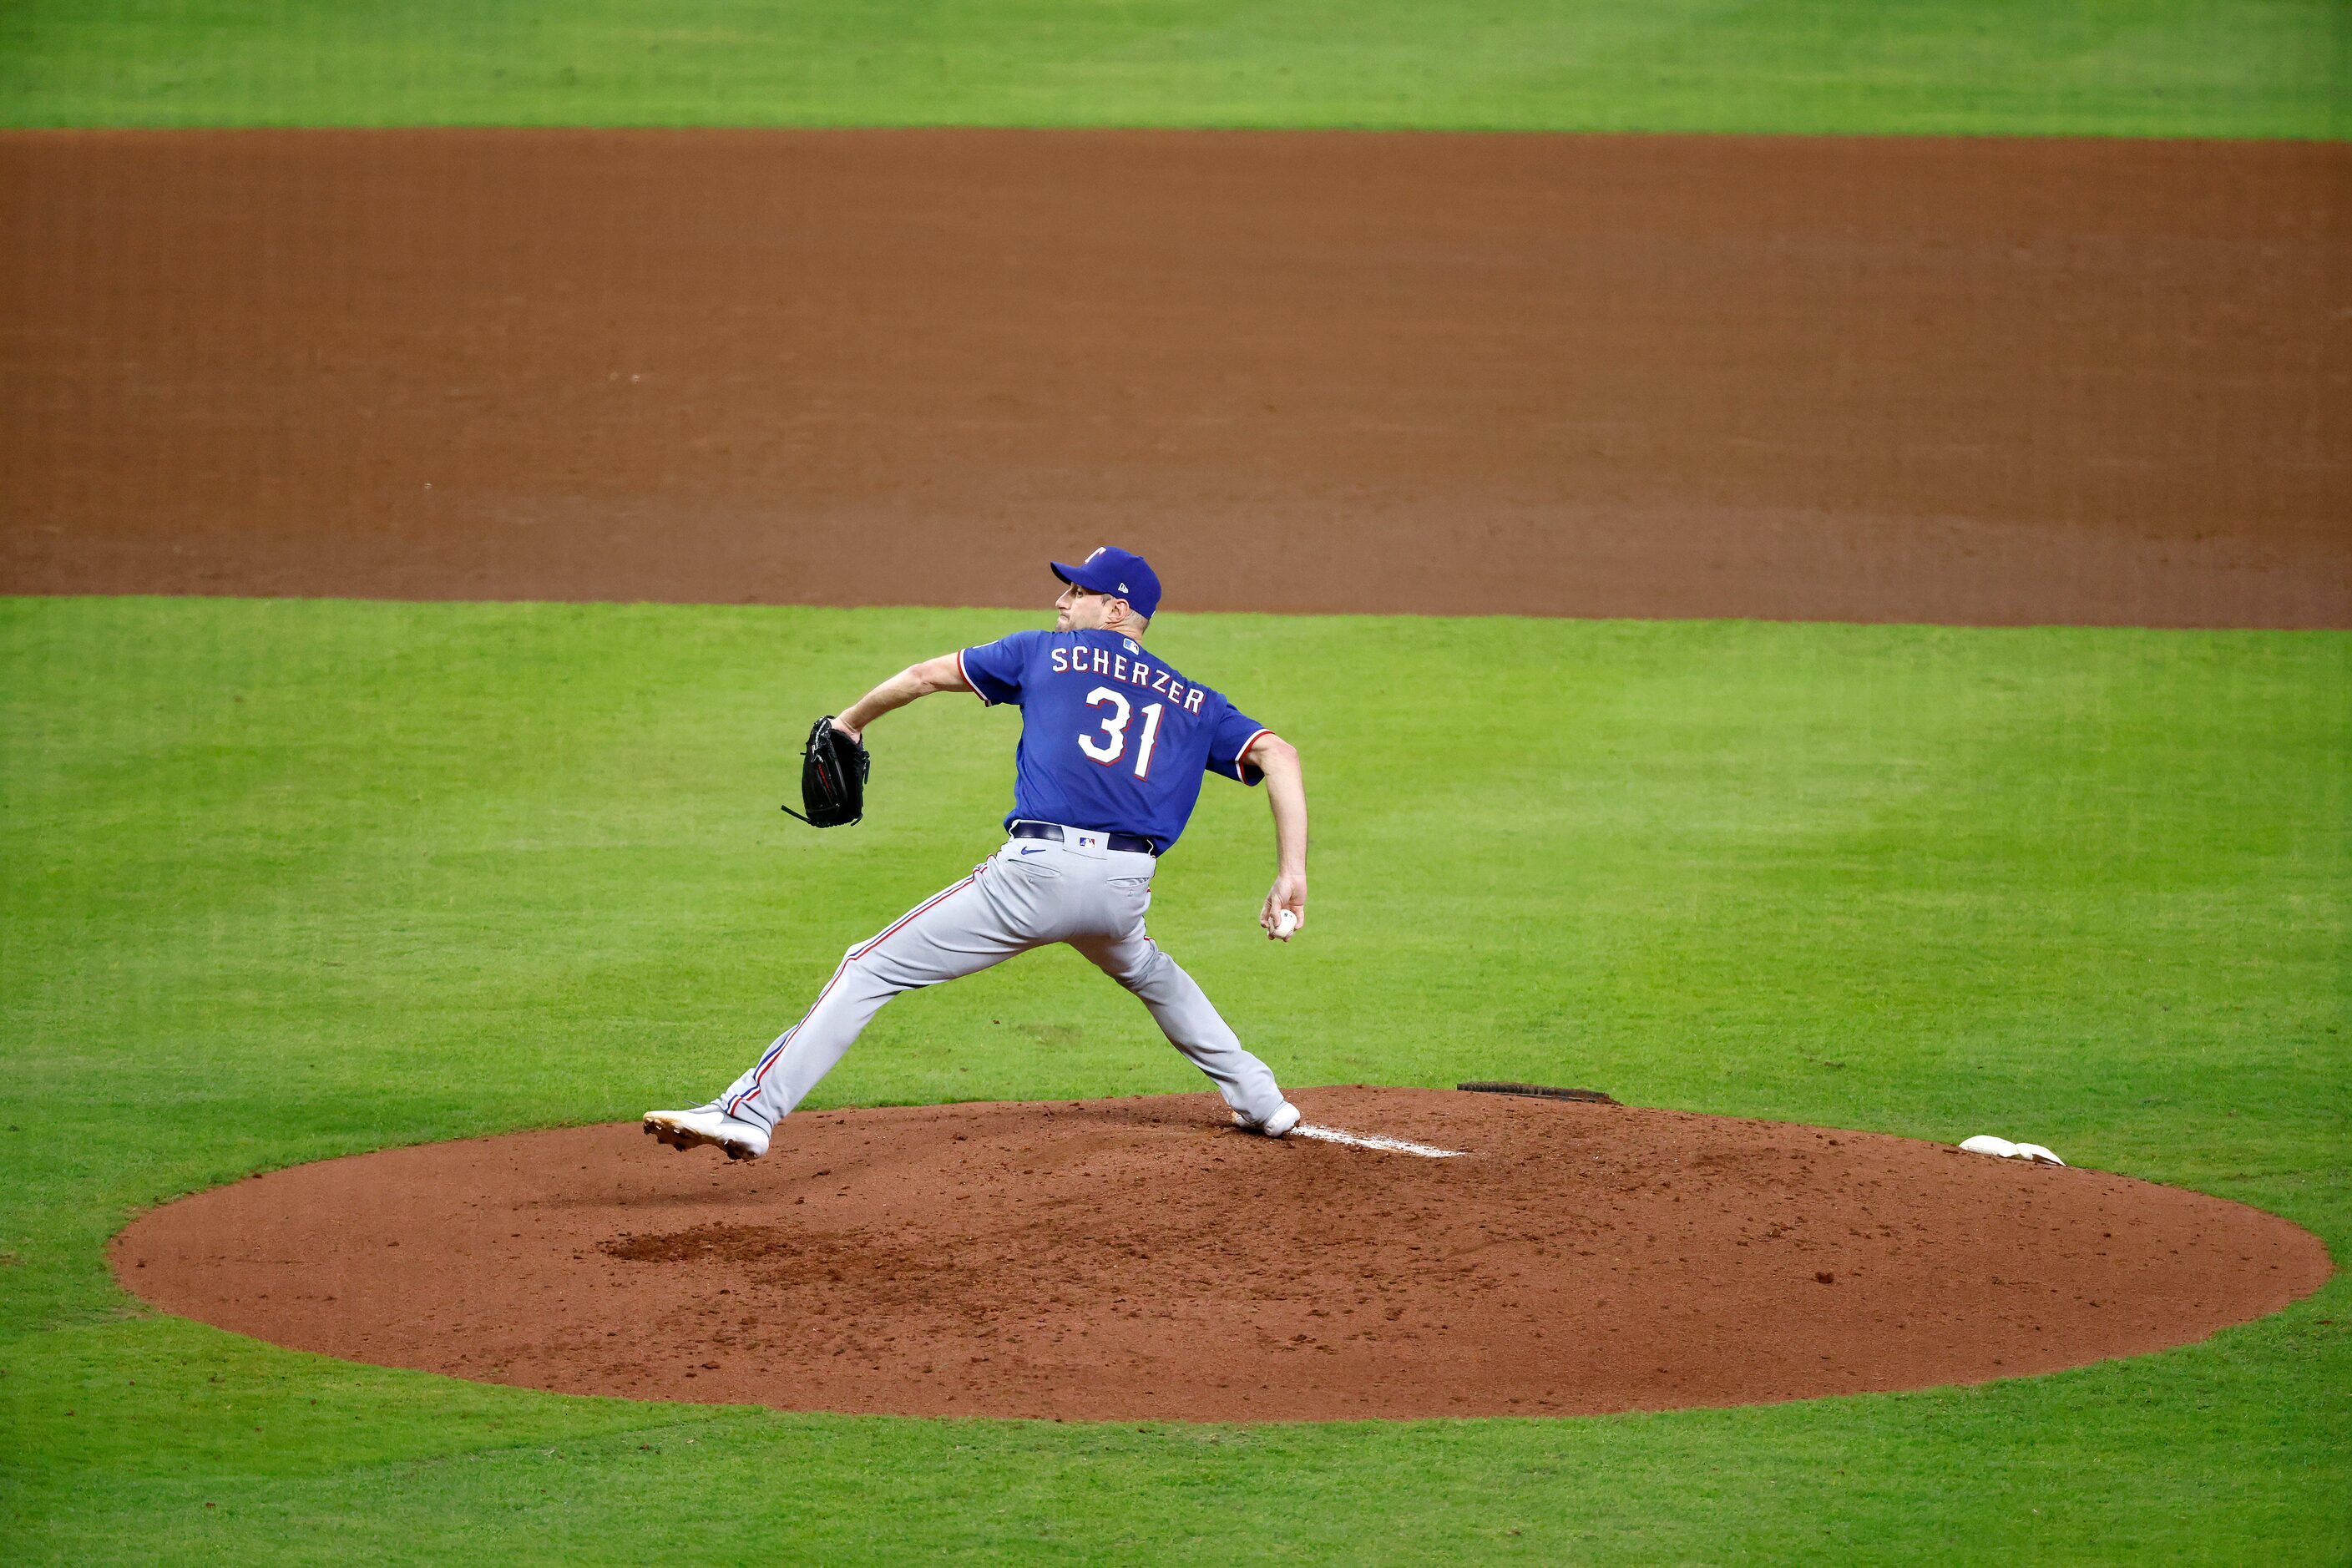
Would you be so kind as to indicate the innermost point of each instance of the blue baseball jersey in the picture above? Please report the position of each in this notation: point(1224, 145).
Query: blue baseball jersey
point(1111, 737)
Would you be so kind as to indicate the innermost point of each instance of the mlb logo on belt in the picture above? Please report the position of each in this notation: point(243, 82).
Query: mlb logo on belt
point(1089, 840)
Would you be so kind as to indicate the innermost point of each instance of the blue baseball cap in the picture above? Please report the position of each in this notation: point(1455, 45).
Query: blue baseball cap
point(1122, 574)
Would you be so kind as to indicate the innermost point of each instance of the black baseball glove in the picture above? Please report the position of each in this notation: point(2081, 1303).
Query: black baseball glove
point(833, 777)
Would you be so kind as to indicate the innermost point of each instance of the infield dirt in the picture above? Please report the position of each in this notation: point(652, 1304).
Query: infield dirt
point(1909, 379)
point(1139, 1258)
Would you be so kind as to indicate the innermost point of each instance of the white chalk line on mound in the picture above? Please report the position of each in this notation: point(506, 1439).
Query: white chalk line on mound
point(1373, 1141)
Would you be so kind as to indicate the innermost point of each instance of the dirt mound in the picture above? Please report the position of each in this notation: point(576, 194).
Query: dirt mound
point(1139, 1258)
point(1848, 378)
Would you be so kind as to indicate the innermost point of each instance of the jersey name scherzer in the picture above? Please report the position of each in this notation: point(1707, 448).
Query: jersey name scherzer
point(1111, 737)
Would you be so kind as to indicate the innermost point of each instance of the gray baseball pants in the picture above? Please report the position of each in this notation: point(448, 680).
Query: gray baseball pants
point(1032, 892)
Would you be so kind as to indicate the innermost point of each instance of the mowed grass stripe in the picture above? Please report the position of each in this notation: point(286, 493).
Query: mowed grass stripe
point(2123, 67)
point(287, 879)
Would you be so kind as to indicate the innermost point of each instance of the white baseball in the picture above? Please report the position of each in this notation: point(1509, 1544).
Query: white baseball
point(1284, 923)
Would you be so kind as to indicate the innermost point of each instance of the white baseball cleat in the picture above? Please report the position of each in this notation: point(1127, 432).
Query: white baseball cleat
point(739, 1139)
point(1273, 1126)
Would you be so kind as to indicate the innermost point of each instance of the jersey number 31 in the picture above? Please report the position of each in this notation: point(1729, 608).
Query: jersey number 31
point(1113, 744)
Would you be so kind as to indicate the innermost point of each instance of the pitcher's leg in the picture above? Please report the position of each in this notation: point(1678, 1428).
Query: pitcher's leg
point(1189, 1019)
point(958, 930)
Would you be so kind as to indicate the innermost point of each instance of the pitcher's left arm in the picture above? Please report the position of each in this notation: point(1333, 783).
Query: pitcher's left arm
point(944, 673)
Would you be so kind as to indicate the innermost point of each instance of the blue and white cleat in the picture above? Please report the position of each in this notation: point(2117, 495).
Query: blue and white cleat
point(737, 1139)
point(1273, 1126)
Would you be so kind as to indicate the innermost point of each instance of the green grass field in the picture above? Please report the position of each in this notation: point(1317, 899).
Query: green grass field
point(287, 880)
point(2107, 68)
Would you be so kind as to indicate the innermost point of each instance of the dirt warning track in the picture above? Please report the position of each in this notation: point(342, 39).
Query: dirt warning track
point(1902, 379)
point(1139, 1258)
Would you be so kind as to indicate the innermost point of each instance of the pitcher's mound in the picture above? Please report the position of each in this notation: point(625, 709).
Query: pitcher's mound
point(1139, 1258)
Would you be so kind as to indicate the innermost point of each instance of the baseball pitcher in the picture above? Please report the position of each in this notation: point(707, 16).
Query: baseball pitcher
point(1114, 743)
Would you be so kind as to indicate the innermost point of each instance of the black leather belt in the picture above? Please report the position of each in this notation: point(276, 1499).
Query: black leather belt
point(1132, 842)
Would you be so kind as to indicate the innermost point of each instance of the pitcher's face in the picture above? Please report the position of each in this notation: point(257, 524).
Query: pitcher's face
point(1081, 610)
